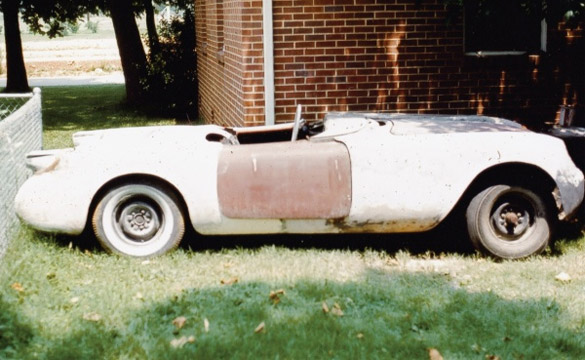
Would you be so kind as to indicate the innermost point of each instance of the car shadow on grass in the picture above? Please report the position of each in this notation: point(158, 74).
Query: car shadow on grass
point(420, 243)
point(380, 314)
point(447, 238)
point(437, 241)
point(15, 332)
point(444, 239)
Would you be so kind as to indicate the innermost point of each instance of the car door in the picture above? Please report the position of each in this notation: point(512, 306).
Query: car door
point(285, 180)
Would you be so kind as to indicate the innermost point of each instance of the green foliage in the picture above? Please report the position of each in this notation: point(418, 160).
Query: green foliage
point(54, 18)
point(73, 27)
point(171, 74)
point(92, 26)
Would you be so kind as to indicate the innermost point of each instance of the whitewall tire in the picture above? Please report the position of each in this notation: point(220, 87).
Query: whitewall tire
point(140, 220)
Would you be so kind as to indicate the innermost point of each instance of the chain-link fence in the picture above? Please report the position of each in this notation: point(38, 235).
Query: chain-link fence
point(20, 133)
point(9, 103)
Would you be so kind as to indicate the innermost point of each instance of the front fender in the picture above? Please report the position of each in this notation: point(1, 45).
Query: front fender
point(60, 199)
point(55, 202)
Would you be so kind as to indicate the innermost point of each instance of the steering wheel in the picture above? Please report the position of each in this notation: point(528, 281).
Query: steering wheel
point(298, 123)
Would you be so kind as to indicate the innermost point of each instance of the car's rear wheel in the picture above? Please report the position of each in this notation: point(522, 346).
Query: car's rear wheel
point(508, 222)
point(140, 220)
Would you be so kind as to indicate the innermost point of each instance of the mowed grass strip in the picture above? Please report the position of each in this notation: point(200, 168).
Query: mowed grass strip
point(59, 302)
point(277, 297)
point(74, 108)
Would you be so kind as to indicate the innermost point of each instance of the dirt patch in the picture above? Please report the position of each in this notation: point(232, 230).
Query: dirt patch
point(69, 56)
point(71, 68)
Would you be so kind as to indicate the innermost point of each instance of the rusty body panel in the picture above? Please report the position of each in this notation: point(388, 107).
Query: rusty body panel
point(287, 180)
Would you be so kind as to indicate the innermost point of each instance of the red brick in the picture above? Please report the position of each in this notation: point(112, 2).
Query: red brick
point(338, 54)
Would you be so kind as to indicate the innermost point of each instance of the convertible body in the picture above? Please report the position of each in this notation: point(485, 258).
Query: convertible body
point(357, 173)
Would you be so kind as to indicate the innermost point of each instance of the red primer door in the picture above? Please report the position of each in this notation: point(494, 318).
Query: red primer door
point(285, 180)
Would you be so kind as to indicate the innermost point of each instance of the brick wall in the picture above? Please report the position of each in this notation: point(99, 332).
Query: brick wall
point(229, 45)
point(217, 68)
point(381, 55)
point(20, 133)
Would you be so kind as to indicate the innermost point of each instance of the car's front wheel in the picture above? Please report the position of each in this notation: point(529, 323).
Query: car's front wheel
point(140, 220)
point(508, 222)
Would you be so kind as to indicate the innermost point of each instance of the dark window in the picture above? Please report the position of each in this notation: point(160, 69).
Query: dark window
point(503, 26)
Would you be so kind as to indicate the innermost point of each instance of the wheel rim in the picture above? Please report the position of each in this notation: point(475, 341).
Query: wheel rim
point(138, 220)
point(512, 217)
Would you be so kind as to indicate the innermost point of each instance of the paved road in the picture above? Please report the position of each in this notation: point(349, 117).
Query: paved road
point(113, 78)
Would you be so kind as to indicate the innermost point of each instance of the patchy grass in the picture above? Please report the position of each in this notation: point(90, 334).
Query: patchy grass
point(59, 301)
point(73, 108)
point(341, 297)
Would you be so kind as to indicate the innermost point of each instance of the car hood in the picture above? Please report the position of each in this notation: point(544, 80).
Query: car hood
point(137, 136)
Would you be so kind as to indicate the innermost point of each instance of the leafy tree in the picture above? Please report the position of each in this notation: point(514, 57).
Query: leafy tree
point(132, 54)
point(171, 77)
point(48, 17)
point(153, 41)
point(51, 18)
point(44, 17)
point(135, 63)
point(149, 12)
point(15, 70)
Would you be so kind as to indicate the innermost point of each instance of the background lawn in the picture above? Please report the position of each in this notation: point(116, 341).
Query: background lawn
point(74, 108)
point(286, 297)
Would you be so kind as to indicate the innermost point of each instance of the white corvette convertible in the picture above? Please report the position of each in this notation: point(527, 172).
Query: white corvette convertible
point(139, 188)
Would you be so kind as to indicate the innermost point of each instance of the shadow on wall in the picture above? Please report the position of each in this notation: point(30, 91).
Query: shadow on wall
point(526, 88)
point(393, 88)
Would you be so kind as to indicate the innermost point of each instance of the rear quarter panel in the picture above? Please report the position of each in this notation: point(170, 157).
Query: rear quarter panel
point(409, 183)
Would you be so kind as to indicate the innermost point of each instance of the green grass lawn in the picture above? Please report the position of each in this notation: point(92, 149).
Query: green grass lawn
point(74, 108)
point(286, 297)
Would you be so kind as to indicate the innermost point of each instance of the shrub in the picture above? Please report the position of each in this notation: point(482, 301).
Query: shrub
point(171, 74)
point(92, 26)
point(73, 27)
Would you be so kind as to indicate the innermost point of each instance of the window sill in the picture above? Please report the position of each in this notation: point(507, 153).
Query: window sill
point(484, 54)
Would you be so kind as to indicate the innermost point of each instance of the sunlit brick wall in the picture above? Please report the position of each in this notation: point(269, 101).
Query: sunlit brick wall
point(230, 65)
point(218, 25)
point(373, 55)
point(400, 56)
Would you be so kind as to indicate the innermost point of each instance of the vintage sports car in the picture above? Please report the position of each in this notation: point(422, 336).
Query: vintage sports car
point(139, 188)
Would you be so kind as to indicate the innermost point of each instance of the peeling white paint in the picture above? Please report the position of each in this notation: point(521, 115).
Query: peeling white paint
point(408, 172)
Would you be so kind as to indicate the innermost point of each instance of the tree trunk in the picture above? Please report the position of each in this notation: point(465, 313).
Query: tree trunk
point(132, 53)
point(16, 81)
point(153, 42)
